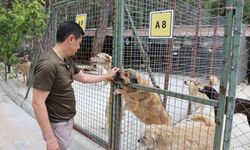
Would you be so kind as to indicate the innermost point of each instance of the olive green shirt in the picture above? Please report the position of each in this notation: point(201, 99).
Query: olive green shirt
point(55, 75)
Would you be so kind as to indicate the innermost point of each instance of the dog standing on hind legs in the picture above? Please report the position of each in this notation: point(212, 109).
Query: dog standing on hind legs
point(146, 106)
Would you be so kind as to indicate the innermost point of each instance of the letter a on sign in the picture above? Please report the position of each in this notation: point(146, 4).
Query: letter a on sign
point(81, 20)
point(161, 24)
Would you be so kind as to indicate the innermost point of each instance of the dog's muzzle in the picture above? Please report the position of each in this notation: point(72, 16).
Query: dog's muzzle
point(118, 79)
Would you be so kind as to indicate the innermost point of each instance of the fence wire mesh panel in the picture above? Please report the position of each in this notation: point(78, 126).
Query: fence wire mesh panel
point(179, 67)
point(240, 134)
point(91, 99)
point(182, 65)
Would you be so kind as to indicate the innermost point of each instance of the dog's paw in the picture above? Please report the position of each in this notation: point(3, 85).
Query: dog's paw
point(117, 92)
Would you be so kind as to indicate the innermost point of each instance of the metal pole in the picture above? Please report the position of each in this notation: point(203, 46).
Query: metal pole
point(117, 61)
point(233, 72)
point(169, 61)
point(224, 78)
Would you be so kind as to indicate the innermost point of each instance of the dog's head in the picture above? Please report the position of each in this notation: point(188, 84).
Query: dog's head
point(210, 92)
point(101, 58)
point(193, 84)
point(213, 80)
point(126, 77)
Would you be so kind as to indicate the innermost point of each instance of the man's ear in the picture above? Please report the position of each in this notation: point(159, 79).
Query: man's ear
point(71, 37)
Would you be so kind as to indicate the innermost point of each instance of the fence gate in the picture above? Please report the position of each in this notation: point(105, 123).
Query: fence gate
point(171, 44)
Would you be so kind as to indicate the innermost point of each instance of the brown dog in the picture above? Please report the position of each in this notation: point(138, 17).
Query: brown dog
point(163, 137)
point(146, 106)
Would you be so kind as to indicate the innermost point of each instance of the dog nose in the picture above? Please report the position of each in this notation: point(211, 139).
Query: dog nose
point(118, 74)
point(138, 140)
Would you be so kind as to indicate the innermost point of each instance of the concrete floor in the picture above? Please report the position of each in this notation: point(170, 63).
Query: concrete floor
point(18, 130)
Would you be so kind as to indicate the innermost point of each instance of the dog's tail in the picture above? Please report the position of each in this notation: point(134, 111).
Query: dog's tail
point(208, 121)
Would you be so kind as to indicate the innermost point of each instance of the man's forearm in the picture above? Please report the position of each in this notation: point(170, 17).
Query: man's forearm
point(41, 114)
point(89, 78)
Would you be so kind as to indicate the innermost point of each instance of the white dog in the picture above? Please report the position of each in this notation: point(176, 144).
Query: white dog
point(102, 59)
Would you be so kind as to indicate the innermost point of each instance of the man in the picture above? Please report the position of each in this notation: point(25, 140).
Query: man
point(53, 95)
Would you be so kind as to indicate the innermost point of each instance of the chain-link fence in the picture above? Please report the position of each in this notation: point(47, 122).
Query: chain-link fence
point(197, 50)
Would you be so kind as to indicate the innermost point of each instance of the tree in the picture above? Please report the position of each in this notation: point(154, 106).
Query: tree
point(102, 24)
point(25, 19)
point(214, 7)
point(246, 14)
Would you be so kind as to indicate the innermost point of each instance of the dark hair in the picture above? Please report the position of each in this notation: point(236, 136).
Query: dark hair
point(67, 28)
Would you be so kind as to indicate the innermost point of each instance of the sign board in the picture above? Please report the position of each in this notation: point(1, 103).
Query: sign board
point(81, 20)
point(161, 24)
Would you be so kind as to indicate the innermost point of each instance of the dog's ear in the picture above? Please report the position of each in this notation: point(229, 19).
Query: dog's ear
point(108, 57)
point(196, 83)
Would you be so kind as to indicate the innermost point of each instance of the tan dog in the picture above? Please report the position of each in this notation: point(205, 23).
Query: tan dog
point(101, 64)
point(193, 89)
point(194, 86)
point(102, 59)
point(24, 70)
point(213, 80)
point(146, 106)
point(163, 137)
point(24, 67)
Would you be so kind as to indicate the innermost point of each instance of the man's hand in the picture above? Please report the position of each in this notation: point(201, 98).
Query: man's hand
point(52, 144)
point(112, 73)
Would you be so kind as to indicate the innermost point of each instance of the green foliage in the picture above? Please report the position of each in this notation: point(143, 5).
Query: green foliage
point(217, 7)
point(246, 12)
point(25, 19)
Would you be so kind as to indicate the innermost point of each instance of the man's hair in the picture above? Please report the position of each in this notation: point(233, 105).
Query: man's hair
point(67, 28)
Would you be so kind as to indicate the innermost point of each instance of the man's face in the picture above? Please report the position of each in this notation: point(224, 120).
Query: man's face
point(75, 44)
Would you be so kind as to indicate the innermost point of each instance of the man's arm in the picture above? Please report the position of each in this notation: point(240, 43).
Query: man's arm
point(88, 78)
point(41, 114)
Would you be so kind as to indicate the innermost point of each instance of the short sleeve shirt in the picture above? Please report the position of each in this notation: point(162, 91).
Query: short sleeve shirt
point(55, 75)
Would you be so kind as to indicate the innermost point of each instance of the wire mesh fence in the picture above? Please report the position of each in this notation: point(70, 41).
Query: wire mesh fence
point(240, 129)
point(180, 66)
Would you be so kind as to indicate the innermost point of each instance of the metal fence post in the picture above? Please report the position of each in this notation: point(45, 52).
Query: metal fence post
point(117, 62)
point(224, 77)
point(233, 72)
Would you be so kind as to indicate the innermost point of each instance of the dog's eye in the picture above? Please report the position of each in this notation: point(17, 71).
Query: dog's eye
point(144, 137)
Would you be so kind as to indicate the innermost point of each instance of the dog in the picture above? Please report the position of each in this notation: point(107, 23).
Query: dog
point(102, 59)
point(164, 137)
point(241, 105)
point(193, 87)
point(23, 67)
point(213, 80)
point(146, 106)
point(101, 63)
